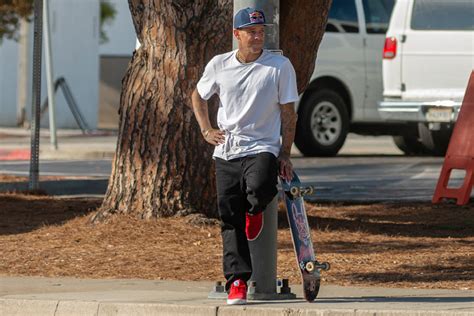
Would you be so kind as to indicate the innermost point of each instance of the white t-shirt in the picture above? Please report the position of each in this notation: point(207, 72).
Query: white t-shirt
point(250, 96)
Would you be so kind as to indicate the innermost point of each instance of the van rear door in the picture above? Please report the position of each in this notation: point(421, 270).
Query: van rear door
point(377, 16)
point(438, 52)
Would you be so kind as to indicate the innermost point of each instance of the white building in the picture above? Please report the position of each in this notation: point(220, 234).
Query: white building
point(78, 57)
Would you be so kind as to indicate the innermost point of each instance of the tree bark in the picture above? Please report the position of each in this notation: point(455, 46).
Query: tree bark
point(302, 26)
point(162, 165)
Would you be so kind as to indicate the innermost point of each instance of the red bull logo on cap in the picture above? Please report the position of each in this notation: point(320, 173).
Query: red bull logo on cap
point(247, 17)
point(257, 17)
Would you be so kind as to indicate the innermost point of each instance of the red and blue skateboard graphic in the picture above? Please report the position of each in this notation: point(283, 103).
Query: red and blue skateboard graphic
point(293, 193)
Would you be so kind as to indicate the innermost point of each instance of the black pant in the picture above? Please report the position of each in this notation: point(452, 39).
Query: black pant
point(245, 184)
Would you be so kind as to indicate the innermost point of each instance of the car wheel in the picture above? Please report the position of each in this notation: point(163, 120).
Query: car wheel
point(323, 124)
point(435, 142)
point(410, 145)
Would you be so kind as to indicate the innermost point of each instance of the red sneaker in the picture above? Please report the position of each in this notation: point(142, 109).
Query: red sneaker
point(238, 293)
point(253, 225)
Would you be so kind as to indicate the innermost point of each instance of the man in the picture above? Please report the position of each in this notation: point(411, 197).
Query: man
point(257, 91)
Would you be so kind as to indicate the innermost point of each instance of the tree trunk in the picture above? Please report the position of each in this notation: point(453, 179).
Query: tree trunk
point(302, 26)
point(162, 165)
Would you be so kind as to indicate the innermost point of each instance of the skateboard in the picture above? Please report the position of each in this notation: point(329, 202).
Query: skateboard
point(293, 193)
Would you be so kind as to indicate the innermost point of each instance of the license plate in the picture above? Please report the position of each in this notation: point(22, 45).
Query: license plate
point(439, 115)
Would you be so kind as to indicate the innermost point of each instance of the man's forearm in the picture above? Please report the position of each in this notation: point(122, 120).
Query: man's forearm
point(201, 112)
point(288, 126)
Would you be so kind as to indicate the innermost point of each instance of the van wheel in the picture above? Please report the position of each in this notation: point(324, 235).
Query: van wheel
point(435, 142)
point(323, 124)
point(410, 145)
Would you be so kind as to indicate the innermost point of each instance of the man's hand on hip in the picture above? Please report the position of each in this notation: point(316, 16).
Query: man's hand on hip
point(214, 136)
point(286, 167)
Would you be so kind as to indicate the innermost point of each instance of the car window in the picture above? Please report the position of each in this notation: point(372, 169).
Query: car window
point(443, 15)
point(343, 17)
point(377, 15)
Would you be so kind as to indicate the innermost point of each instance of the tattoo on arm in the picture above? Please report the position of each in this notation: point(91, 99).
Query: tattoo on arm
point(288, 126)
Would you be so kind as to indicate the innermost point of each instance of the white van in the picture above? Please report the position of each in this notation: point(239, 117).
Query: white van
point(346, 85)
point(428, 58)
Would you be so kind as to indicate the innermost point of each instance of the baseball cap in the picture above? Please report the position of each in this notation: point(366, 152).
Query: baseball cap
point(248, 17)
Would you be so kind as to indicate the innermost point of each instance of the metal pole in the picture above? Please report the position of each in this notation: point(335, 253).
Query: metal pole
point(36, 99)
point(271, 8)
point(263, 250)
point(23, 71)
point(49, 75)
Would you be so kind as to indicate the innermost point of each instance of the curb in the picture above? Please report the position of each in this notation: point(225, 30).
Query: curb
point(76, 154)
point(8, 132)
point(67, 307)
point(14, 154)
point(24, 154)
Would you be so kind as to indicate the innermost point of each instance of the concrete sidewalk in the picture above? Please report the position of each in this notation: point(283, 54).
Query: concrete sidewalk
point(15, 144)
point(66, 296)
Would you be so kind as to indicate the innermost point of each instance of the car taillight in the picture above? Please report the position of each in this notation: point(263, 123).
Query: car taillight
point(390, 48)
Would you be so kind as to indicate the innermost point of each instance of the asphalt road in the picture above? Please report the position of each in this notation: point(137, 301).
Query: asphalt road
point(368, 169)
point(69, 168)
point(372, 178)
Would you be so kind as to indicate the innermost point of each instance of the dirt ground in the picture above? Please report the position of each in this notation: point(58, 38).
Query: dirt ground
point(414, 245)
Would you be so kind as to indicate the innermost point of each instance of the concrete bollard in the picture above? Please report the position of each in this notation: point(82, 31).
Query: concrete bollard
point(263, 252)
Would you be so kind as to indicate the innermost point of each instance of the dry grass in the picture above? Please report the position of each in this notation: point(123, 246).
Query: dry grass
point(396, 245)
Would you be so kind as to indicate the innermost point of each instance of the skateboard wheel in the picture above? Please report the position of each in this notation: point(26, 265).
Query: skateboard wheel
point(310, 190)
point(309, 266)
point(295, 191)
point(326, 266)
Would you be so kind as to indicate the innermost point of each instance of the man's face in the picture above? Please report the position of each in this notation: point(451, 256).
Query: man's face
point(251, 38)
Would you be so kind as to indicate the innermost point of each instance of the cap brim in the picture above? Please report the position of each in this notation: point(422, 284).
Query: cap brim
point(252, 24)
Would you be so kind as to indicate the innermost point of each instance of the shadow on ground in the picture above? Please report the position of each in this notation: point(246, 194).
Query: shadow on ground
point(25, 213)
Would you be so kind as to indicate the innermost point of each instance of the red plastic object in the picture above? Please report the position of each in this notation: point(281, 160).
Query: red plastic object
point(460, 154)
point(14, 154)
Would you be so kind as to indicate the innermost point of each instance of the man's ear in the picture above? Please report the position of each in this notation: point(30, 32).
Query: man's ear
point(236, 34)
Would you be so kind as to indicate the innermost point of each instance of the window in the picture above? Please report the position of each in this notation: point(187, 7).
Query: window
point(443, 15)
point(377, 15)
point(343, 17)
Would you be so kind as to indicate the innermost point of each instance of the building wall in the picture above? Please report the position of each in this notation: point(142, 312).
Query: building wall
point(75, 39)
point(112, 70)
point(120, 32)
point(114, 58)
point(8, 82)
point(75, 49)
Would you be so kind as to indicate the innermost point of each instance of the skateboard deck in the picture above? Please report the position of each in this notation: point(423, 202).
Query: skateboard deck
point(293, 193)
